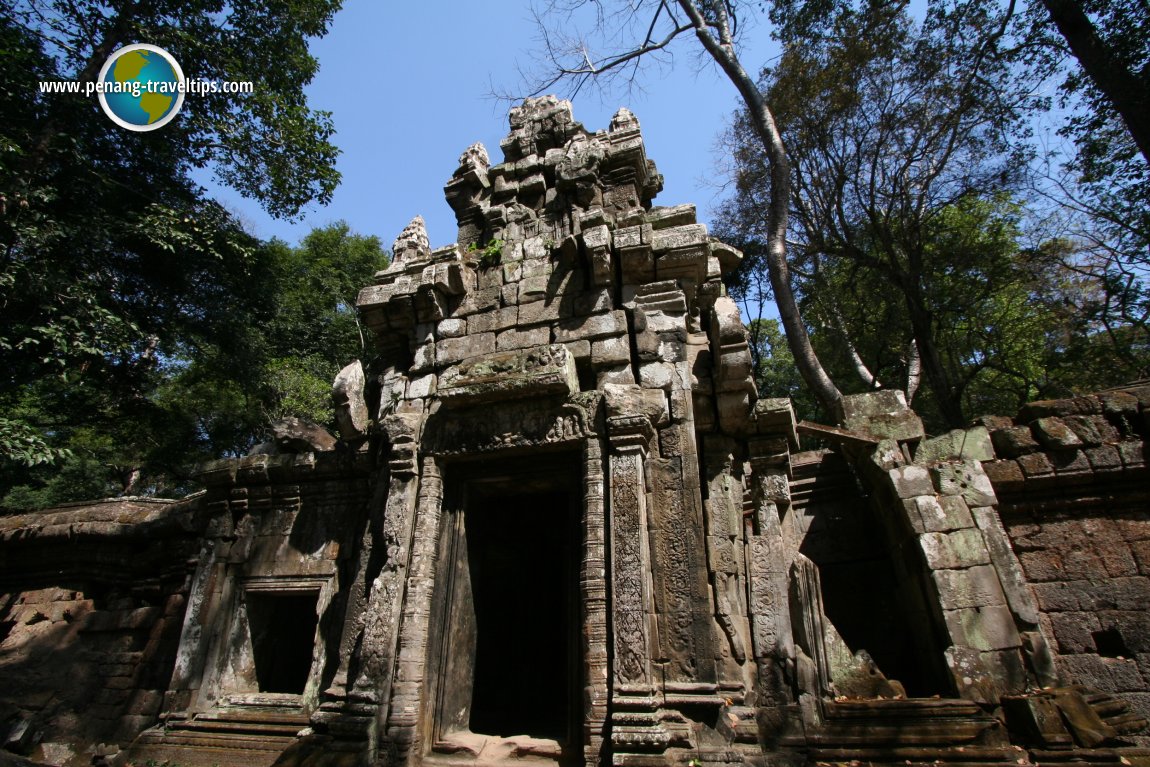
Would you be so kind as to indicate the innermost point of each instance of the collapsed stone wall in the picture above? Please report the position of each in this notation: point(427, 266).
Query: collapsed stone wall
point(92, 599)
point(1073, 481)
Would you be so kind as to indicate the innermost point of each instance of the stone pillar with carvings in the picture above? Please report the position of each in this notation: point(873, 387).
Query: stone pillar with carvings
point(635, 723)
point(593, 592)
point(767, 559)
point(356, 703)
point(408, 689)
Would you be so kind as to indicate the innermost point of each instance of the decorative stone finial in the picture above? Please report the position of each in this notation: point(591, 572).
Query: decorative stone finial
point(624, 119)
point(474, 158)
point(412, 242)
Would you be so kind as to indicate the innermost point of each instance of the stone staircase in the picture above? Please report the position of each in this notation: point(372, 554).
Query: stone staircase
point(241, 731)
point(917, 732)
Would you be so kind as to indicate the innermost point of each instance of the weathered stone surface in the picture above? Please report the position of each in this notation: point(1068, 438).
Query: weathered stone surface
point(1053, 432)
point(296, 435)
point(942, 514)
point(910, 481)
point(566, 398)
point(987, 627)
point(591, 328)
point(883, 414)
point(1014, 441)
point(350, 407)
point(973, 587)
point(959, 444)
point(954, 550)
point(536, 371)
point(965, 479)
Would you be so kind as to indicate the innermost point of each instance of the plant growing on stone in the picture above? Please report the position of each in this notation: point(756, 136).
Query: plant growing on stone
point(492, 254)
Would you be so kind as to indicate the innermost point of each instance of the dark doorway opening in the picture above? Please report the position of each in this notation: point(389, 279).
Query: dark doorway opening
point(520, 549)
point(282, 629)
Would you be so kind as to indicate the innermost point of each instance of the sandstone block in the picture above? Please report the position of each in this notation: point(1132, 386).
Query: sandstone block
point(965, 479)
point(1052, 432)
point(940, 515)
point(883, 414)
point(985, 628)
point(909, 481)
point(973, 587)
point(522, 339)
point(959, 444)
point(452, 350)
point(1004, 475)
point(954, 550)
point(593, 327)
point(611, 351)
point(451, 328)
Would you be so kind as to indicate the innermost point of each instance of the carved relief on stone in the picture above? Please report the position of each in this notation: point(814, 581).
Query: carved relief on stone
point(517, 423)
point(631, 650)
point(578, 171)
point(674, 560)
point(536, 371)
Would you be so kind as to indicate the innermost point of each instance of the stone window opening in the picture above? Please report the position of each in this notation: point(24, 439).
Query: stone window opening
point(282, 627)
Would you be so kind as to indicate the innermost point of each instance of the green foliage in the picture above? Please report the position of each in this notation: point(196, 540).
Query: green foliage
point(1103, 189)
point(775, 372)
point(135, 310)
point(209, 395)
point(909, 148)
point(489, 255)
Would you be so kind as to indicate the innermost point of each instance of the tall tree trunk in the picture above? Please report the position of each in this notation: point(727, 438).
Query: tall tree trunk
point(1129, 93)
point(922, 326)
point(722, 51)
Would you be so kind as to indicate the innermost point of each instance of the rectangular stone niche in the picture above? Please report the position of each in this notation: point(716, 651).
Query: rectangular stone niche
point(509, 620)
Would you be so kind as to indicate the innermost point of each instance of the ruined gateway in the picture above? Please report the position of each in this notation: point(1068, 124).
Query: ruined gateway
point(560, 527)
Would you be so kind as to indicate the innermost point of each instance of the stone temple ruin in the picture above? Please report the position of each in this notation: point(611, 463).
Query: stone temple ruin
point(560, 527)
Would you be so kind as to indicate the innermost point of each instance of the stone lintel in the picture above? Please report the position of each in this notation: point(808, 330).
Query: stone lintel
point(540, 370)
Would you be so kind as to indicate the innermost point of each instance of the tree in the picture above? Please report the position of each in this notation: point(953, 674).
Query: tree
point(639, 29)
point(314, 330)
point(1114, 56)
point(893, 125)
point(1103, 191)
point(211, 395)
point(112, 261)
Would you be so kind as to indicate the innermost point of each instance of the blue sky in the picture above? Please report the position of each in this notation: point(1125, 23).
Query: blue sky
point(407, 84)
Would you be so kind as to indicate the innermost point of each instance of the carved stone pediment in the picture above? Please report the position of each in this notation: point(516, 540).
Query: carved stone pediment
point(540, 370)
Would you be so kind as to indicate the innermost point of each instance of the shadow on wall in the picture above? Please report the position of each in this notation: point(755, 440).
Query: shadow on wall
point(90, 622)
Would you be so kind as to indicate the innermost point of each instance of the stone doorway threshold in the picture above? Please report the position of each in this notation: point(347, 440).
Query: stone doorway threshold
point(475, 748)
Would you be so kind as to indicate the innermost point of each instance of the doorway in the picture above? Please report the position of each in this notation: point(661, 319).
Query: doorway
point(511, 664)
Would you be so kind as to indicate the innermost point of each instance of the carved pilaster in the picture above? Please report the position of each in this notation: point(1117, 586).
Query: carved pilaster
point(635, 720)
point(357, 699)
point(630, 437)
point(771, 638)
point(403, 714)
point(593, 591)
point(724, 507)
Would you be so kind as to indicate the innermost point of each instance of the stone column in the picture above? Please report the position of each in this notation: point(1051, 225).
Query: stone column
point(357, 700)
point(635, 719)
point(593, 593)
point(771, 640)
point(404, 712)
point(724, 506)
